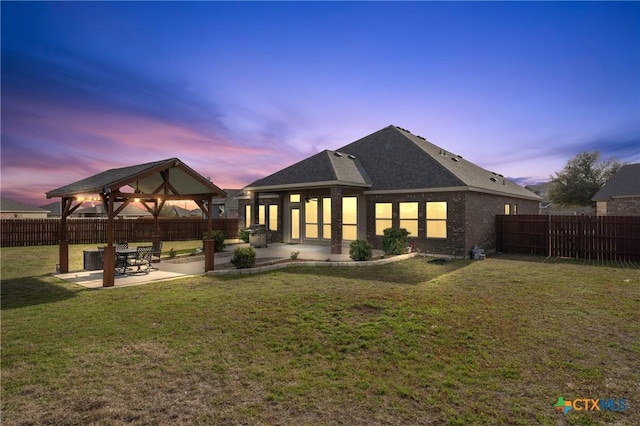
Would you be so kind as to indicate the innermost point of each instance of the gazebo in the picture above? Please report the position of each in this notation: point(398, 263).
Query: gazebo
point(151, 184)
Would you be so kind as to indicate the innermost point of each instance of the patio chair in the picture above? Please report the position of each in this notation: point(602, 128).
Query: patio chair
point(142, 259)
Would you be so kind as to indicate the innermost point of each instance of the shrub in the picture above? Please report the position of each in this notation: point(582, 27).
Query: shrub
point(295, 254)
point(243, 257)
point(395, 241)
point(172, 253)
point(218, 238)
point(244, 235)
point(360, 250)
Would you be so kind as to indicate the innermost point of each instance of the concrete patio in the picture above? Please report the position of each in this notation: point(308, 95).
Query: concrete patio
point(267, 258)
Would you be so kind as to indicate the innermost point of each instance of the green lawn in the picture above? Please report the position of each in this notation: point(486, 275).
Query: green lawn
point(486, 342)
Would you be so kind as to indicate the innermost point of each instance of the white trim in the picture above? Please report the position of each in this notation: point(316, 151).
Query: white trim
point(262, 197)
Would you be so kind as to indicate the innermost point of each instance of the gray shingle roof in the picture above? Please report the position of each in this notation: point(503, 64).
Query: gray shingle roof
point(394, 159)
point(625, 183)
point(324, 168)
point(7, 205)
point(146, 177)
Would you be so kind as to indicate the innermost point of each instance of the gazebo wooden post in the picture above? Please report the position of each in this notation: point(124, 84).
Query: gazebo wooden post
point(109, 268)
point(209, 244)
point(64, 242)
point(155, 235)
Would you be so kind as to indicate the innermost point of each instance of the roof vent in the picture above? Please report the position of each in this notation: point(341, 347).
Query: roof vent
point(455, 159)
point(494, 179)
point(337, 154)
point(459, 156)
point(353, 157)
point(424, 139)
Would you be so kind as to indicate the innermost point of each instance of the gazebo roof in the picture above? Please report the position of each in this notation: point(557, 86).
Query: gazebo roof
point(169, 177)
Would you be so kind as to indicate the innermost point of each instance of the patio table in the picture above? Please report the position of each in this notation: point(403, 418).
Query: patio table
point(123, 255)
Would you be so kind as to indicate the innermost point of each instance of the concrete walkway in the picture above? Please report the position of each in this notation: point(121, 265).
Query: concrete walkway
point(267, 259)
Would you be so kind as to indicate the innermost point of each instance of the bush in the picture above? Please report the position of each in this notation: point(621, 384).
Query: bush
point(244, 235)
point(243, 257)
point(360, 250)
point(395, 241)
point(218, 237)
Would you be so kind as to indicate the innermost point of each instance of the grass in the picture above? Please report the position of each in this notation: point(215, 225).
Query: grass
point(487, 342)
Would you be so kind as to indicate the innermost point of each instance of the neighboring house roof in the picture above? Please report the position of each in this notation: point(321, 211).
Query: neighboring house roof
point(182, 212)
point(99, 210)
point(145, 177)
point(12, 206)
point(324, 168)
point(541, 189)
point(625, 183)
point(52, 208)
point(392, 160)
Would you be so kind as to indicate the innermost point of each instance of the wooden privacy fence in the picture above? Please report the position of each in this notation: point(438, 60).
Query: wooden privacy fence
point(584, 237)
point(38, 232)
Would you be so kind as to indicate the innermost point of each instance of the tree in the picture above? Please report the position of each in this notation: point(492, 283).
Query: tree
point(581, 178)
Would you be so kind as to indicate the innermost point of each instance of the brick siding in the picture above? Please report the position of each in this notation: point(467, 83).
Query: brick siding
point(623, 206)
point(470, 219)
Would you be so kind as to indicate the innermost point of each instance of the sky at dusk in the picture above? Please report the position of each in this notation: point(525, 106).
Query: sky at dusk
point(239, 90)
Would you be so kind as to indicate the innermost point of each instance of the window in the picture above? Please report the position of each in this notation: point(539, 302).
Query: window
point(311, 218)
point(383, 217)
point(350, 218)
point(409, 218)
point(273, 217)
point(294, 198)
point(437, 219)
point(515, 209)
point(326, 218)
point(507, 209)
point(295, 223)
point(247, 216)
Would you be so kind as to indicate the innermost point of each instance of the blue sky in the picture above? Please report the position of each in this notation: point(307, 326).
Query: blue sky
point(238, 90)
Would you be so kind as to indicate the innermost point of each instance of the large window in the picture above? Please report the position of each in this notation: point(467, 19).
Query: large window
point(383, 217)
point(437, 219)
point(350, 218)
point(326, 218)
point(311, 218)
point(247, 216)
point(507, 209)
point(273, 217)
point(409, 218)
